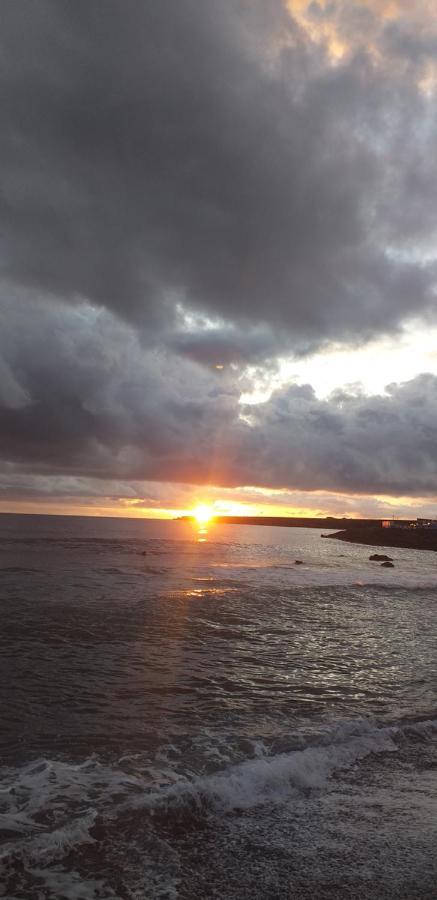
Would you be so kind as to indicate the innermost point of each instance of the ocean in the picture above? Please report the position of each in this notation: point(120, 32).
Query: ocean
point(187, 713)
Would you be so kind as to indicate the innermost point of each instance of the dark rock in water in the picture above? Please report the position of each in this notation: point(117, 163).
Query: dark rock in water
point(298, 562)
point(380, 557)
point(387, 565)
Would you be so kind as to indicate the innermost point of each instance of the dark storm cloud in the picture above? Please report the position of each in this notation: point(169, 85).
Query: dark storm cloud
point(350, 442)
point(411, 44)
point(225, 345)
point(95, 404)
point(207, 155)
point(190, 184)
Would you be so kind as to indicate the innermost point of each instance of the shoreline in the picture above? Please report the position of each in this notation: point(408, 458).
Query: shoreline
point(404, 538)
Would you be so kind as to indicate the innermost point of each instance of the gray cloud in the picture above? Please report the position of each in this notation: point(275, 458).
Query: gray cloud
point(101, 406)
point(406, 41)
point(351, 442)
point(209, 155)
point(227, 345)
point(185, 185)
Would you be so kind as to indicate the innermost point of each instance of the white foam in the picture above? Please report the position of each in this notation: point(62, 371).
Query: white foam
point(54, 805)
point(72, 886)
point(329, 571)
point(276, 778)
point(54, 844)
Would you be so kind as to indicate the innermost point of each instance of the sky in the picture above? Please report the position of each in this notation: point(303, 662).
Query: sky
point(218, 251)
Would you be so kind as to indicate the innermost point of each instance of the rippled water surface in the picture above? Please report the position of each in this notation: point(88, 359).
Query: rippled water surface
point(187, 712)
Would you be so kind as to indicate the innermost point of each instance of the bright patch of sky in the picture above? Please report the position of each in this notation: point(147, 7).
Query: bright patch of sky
point(369, 368)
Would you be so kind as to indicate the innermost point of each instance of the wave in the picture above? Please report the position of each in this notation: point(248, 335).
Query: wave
point(49, 805)
point(88, 829)
point(274, 779)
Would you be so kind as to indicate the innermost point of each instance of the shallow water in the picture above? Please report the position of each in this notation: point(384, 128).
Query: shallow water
point(192, 714)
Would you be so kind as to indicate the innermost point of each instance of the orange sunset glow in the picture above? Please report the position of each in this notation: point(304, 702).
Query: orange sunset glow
point(203, 513)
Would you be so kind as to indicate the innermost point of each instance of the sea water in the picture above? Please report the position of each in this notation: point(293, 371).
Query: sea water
point(187, 713)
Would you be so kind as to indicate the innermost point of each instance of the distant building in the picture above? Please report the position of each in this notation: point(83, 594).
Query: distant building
point(404, 523)
point(396, 523)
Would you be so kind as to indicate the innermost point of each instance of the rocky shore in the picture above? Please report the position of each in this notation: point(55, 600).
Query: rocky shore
point(409, 538)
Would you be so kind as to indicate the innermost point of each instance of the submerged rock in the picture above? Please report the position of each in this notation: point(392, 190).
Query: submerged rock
point(298, 562)
point(387, 565)
point(380, 557)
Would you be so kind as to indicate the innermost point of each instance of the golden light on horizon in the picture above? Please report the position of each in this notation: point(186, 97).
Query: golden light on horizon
point(203, 513)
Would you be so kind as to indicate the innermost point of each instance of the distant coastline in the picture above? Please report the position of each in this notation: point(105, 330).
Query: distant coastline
point(328, 522)
point(369, 532)
point(408, 538)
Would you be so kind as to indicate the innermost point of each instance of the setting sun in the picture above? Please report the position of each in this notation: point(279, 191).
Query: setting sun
point(203, 513)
